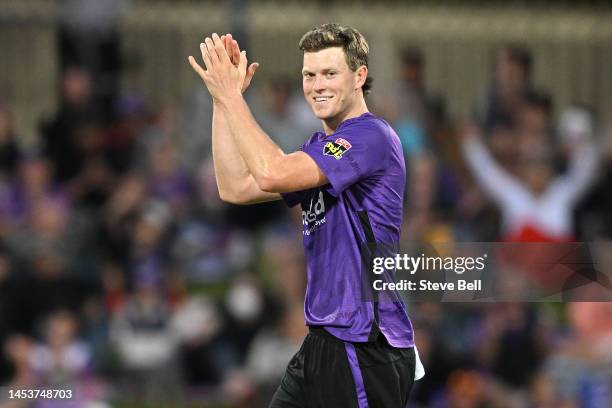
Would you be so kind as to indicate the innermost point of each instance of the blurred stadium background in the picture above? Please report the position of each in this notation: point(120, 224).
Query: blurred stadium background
point(124, 278)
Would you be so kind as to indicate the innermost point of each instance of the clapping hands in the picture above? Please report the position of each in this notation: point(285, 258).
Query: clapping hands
point(227, 71)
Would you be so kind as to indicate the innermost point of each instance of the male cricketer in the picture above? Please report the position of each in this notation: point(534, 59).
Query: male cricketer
point(349, 180)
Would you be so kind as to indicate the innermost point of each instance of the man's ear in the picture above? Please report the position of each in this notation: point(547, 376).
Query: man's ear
point(360, 76)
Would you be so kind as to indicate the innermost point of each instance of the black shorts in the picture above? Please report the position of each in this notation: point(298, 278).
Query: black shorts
point(330, 373)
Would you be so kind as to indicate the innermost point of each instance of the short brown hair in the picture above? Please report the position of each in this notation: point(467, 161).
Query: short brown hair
point(354, 44)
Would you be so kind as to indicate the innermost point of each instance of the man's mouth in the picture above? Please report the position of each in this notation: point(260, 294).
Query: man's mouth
point(321, 99)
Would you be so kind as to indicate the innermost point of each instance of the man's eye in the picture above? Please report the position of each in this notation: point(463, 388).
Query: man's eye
point(331, 74)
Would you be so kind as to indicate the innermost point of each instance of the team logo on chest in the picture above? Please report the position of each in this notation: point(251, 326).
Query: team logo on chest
point(336, 148)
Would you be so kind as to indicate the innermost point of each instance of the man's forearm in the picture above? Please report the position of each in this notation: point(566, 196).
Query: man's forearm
point(230, 169)
point(259, 152)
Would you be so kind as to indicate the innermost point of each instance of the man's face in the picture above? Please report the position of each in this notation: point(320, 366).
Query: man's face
point(330, 86)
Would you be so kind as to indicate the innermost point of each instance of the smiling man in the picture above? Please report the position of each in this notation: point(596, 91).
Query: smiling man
point(349, 180)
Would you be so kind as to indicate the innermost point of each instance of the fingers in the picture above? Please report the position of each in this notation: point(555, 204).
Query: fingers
point(197, 68)
point(235, 52)
point(212, 52)
point(251, 69)
point(224, 41)
point(220, 49)
point(249, 75)
point(227, 44)
point(231, 47)
point(217, 50)
point(206, 56)
point(242, 65)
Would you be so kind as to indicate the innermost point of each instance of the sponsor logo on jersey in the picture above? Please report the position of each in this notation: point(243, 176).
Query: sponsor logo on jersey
point(314, 215)
point(336, 148)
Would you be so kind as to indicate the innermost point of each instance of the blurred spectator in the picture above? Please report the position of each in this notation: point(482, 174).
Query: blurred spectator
point(133, 239)
point(147, 346)
point(148, 258)
point(536, 206)
point(130, 135)
point(62, 360)
point(18, 350)
point(60, 136)
point(93, 181)
point(532, 133)
point(40, 208)
point(169, 183)
point(205, 354)
point(499, 104)
point(50, 286)
point(33, 183)
point(74, 141)
point(89, 37)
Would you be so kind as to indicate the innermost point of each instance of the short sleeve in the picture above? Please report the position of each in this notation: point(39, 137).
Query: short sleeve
point(354, 152)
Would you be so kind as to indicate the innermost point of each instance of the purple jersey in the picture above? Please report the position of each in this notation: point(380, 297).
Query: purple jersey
point(362, 203)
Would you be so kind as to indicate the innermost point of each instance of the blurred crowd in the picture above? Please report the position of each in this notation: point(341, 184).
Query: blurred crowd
point(124, 278)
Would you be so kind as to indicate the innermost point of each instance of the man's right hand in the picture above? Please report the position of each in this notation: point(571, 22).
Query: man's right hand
point(233, 50)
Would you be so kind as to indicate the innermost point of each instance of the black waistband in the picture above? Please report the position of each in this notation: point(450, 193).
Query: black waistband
point(321, 332)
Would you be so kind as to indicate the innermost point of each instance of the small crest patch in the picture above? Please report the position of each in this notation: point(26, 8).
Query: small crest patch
point(336, 148)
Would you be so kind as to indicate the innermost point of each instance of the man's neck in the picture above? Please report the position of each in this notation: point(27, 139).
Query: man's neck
point(330, 125)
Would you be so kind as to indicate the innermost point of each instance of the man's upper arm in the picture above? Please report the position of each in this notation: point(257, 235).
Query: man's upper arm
point(294, 172)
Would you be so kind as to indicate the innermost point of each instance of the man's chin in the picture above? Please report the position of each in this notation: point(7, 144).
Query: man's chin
point(321, 114)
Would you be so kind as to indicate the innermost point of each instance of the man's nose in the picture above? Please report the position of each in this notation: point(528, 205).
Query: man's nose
point(319, 84)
